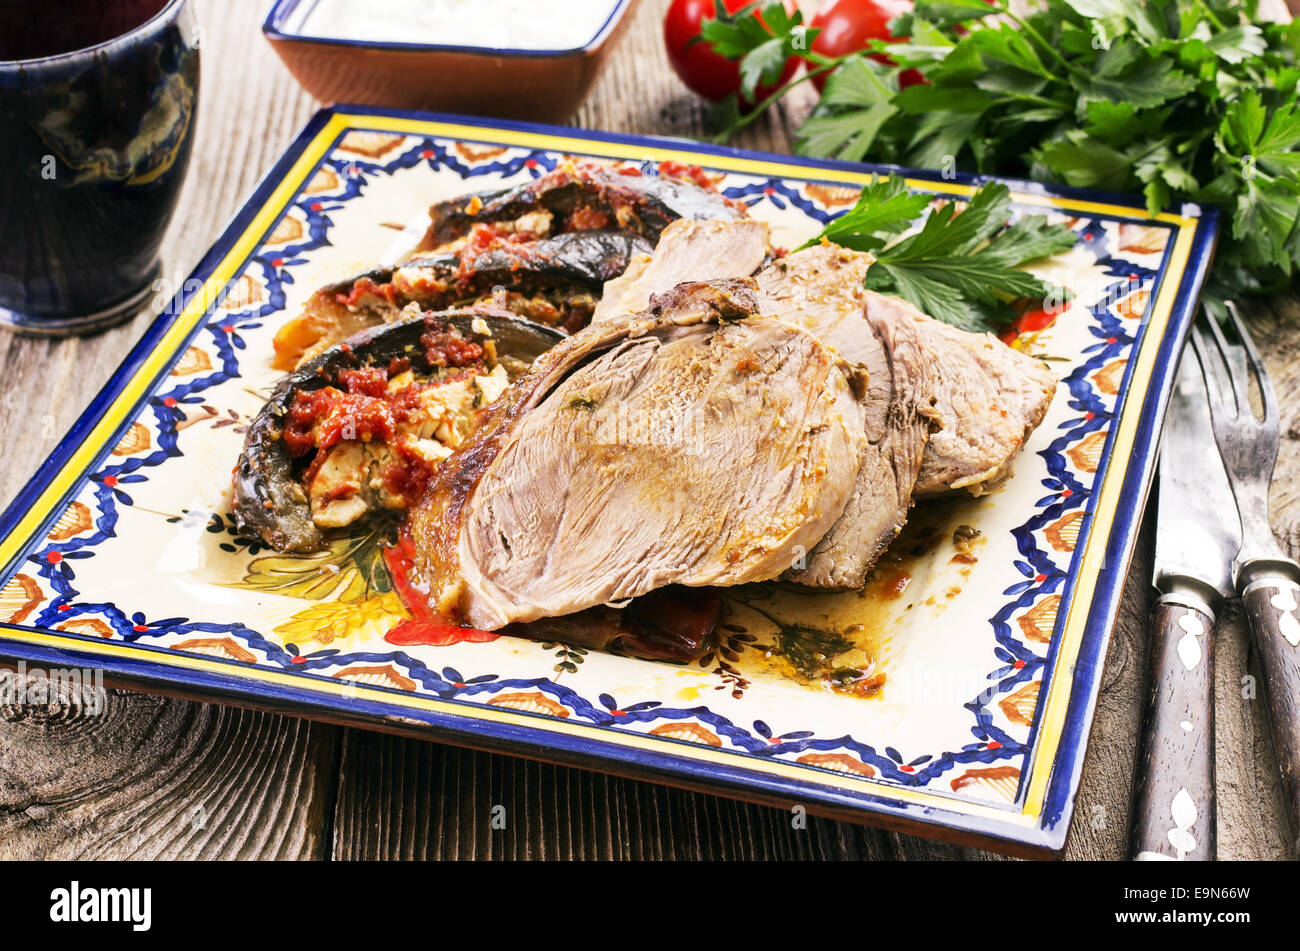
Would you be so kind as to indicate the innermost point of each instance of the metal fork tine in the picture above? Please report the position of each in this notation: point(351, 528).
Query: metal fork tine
point(1267, 397)
point(1240, 391)
point(1213, 369)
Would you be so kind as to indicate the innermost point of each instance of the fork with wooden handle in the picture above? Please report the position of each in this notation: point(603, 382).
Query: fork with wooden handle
point(1267, 580)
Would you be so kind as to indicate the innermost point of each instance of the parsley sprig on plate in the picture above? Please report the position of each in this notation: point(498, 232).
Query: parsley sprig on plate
point(962, 265)
point(1171, 99)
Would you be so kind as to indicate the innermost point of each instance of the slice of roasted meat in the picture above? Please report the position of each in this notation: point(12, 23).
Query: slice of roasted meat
point(821, 290)
point(988, 397)
point(687, 251)
point(578, 196)
point(361, 427)
point(554, 281)
point(673, 623)
point(693, 444)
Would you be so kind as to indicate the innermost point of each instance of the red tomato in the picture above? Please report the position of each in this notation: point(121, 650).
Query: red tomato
point(706, 72)
point(847, 25)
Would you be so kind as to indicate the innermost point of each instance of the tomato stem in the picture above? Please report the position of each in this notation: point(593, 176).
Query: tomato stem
point(748, 118)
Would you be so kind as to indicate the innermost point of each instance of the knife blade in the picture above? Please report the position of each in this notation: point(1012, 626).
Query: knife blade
point(1198, 534)
point(1198, 531)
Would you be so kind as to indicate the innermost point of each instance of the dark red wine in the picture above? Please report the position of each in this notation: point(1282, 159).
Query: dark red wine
point(34, 28)
point(95, 149)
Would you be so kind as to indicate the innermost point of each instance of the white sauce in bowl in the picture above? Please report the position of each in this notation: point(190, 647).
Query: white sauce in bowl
point(539, 25)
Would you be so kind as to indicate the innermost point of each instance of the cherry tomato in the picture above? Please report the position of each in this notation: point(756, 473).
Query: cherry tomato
point(706, 72)
point(847, 25)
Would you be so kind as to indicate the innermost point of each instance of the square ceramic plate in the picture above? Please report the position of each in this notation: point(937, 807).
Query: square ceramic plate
point(121, 553)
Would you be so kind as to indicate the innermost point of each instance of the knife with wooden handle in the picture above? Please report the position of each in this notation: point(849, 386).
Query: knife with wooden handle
point(1197, 536)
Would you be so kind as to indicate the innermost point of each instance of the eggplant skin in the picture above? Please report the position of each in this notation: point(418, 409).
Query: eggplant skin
point(269, 502)
point(646, 203)
point(580, 257)
point(560, 269)
point(588, 258)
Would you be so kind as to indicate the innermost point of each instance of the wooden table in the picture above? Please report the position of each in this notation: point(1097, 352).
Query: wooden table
point(161, 778)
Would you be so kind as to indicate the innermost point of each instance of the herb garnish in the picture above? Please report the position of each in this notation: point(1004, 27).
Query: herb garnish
point(961, 267)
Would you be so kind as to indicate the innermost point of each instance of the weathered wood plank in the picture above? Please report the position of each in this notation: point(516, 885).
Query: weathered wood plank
point(406, 799)
point(151, 777)
point(126, 784)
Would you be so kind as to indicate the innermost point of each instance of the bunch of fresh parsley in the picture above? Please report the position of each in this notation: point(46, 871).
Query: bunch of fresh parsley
point(1172, 99)
point(962, 265)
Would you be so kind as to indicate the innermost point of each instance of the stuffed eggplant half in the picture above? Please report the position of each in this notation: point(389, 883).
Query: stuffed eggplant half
point(357, 430)
point(554, 281)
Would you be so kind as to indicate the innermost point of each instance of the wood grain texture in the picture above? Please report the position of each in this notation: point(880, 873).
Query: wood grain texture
point(150, 777)
point(126, 785)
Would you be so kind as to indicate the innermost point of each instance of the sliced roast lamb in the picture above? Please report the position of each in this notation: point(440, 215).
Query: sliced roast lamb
point(988, 397)
point(693, 444)
point(688, 250)
point(820, 289)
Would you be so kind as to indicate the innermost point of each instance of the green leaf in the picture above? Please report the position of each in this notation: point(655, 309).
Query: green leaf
point(1115, 123)
point(962, 265)
point(767, 39)
point(884, 209)
point(1238, 43)
point(963, 65)
point(1292, 37)
point(856, 84)
point(734, 34)
point(926, 35)
point(1085, 163)
point(940, 138)
point(1136, 15)
point(848, 136)
point(1030, 239)
point(1120, 56)
point(1008, 45)
point(947, 232)
point(762, 37)
point(763, 64)
point(951, 12)
point(1152, 82)
point(1275, 146)
point(921, 99)
point(1156, 193)
point(1264, 222)
point(855, 105)
point(932, 297)
point(1243, 123)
